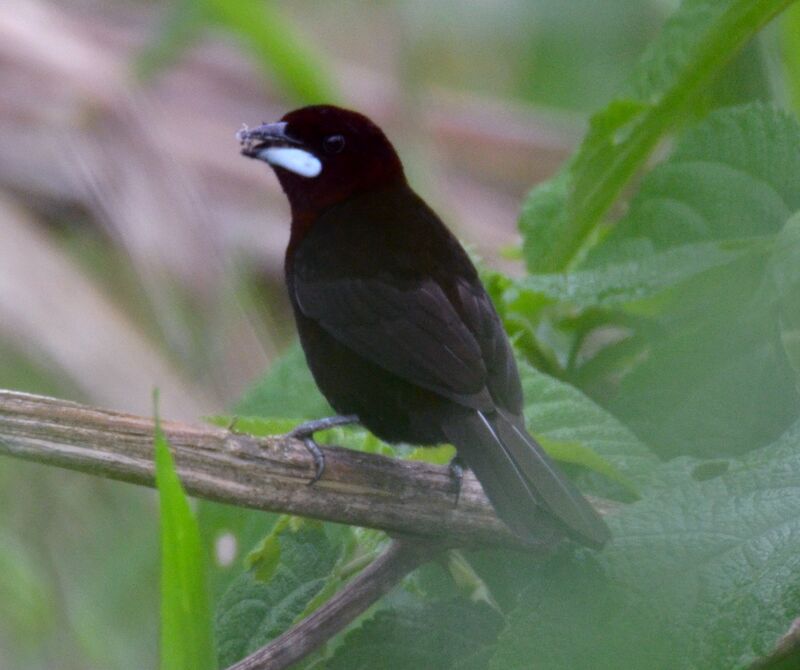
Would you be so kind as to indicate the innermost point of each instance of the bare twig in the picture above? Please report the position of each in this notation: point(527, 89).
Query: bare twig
point(271, 473)
point(400, 558)
point(786, 654)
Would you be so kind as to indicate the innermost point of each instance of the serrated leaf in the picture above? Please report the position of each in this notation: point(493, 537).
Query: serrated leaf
point(228, 532)
point(701, 574)
point(715, 379)
point(287, 390)
point(187, 642)
point(696, 43)
point(732, 176)
point(263, 560)
point(442, 635)
point(559, 413)
point(253, 612)
point(645, 275)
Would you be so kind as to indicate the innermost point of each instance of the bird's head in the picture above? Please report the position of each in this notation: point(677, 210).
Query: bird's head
point(323, 154)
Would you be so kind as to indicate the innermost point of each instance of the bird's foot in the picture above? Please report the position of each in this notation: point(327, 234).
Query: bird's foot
point(305, 432)
point(456, 468)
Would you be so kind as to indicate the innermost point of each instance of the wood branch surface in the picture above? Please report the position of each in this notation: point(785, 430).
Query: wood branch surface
point(271, 473)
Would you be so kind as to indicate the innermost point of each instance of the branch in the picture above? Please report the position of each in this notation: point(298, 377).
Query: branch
point(411, 500)
point(271, 473)
point(376, 580)
point(786, 654)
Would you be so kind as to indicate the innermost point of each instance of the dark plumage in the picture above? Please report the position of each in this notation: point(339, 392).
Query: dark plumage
point(395, 324)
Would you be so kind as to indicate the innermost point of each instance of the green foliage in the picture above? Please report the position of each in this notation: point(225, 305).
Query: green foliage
point(699, 575)
point(560, 216)
point(298, 562)
point(714, 346)
point(560, 414)
point(187, 641)
point(790, 50)
point(273, 42)
point(703, 274)
point(277, 47)
point(24, 589)
point(784, 271)
point(287, 391)
point(449, 635)
point(677, 334)
point(639, 273)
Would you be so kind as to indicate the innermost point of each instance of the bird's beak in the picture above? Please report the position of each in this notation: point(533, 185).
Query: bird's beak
point(254, 140)
point(272, 144)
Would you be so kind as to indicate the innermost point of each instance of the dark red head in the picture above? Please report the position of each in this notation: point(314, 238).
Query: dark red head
point(323, 155)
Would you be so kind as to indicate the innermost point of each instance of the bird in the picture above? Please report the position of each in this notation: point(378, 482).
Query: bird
point(398, 331)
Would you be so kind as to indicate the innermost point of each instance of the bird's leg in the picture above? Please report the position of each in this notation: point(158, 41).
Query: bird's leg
point(456, 468)
point(305, 432)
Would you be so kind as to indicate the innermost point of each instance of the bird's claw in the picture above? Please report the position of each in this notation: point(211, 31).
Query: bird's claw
point(305, 433)
point(319, 459)
point(456, 469)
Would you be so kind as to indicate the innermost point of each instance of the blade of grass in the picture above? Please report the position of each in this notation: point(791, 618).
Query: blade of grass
point(186, 634)
point(278, 48)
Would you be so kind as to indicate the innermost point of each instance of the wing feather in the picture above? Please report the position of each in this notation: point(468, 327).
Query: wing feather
point(414, 331)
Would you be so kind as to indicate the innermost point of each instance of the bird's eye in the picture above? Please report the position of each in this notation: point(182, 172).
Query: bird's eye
point(333, 144)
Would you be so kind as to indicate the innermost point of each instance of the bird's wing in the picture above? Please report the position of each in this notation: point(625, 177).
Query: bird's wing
point(411, 329)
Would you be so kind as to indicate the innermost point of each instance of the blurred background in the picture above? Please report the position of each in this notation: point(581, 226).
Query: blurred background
point(138, 249)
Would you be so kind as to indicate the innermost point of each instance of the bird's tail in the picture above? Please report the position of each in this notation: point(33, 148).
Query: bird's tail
point(517, 474)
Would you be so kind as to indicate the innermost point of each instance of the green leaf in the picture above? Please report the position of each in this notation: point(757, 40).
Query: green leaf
point(579, 454)
point(254, 611)
point(558, 413)
point(440, 455)
point(187, 641)
point(443, 635)
point(287, 390)
point(714, 378)
point(254, 425)
point(696, 43)
point(644, 276)
point(278, 48)
point(265, 558)
point(228, 532)
point(732, 176)
point(280, 51)
point(700, 574)
point(784, 267)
